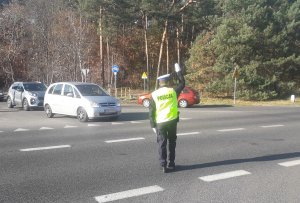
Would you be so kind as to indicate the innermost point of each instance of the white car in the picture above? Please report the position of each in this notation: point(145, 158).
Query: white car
point(84, 100)
point(26, 94)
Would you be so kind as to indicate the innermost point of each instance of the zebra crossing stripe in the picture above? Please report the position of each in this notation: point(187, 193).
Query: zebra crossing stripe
point(290, 163)
point(225, 175)
point(128, 194)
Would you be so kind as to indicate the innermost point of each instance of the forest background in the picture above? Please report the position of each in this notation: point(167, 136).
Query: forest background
point(255, 42)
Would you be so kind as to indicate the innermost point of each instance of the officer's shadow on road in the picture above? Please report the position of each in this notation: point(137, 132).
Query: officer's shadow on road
point(134, 116)
point(206, 106)
point(273, 157)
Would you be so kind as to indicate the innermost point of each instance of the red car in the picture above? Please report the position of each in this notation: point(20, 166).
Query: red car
point(187, 97)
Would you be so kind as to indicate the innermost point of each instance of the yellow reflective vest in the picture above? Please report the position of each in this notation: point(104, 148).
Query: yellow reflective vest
point(166, 104)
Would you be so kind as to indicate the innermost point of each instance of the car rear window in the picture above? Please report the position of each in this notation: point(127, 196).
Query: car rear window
point(91, 90)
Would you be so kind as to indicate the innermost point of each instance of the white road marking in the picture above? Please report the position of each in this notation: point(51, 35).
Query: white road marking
point(136, 122)
point(233, 129)
point(271, 126)
point(70, 126)
point(44, 148)
point(185, 118)
point(290, 163)
point(21, 129)
point(46, 128)
point(1, 131)
point(128, 193)
point(116, 123)
point(93, 125)
point(226, 175)
point(125, 140)
point(191, 133)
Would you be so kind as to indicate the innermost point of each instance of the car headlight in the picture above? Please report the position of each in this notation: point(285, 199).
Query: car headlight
point(94, 104)
point(33, 94)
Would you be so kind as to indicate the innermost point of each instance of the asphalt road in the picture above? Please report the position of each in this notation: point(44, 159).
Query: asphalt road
point(224, 154)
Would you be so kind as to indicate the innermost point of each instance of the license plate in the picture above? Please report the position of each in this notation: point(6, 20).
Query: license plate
point(109, 111)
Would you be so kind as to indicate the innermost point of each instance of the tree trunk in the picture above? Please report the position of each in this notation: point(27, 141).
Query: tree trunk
point(102, 77)
point(161, 50)
point(146, 51)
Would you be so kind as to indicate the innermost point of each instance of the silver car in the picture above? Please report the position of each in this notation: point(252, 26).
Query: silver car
point(26, 95)
point(84, 100)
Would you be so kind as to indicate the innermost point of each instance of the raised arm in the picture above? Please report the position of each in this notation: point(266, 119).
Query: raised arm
point(181, 83)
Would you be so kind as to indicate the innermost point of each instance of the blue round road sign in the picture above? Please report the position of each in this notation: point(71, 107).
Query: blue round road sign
point(115, 68)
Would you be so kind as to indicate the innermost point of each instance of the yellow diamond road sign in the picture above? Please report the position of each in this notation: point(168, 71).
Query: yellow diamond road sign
point(144, 76)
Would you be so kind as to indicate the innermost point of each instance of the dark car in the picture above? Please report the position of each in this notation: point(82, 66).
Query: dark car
point(187, 97)
point(1, 96)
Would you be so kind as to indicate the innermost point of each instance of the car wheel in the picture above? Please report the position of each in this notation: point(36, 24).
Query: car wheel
point(9, 102)
point(146, 103)
point(48, 111)
point(82, 115)
point(25, 105)
point(183, 103)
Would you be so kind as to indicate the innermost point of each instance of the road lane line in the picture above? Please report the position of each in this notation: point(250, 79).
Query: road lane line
point(125, 140)
point(225, 175)
point(46, 128)
point(21, 129)
point(191, 133)
point(136, 122)
point(70, 126)
point(185, 118)
point(128, 194)
point(233, 129)
point(44, 148)
point(271, 126)
point(116, 123)
point(290, 163)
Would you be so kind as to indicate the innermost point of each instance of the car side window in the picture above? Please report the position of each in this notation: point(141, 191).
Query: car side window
point(57, 89)
point(15, 87)
point(77, 95)
point(51, 90)
point(20, 88)
point(68, 89)
point(185, 91)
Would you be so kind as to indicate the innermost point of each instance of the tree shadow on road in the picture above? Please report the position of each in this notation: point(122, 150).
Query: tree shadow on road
point(209, 106)
point(273, 157)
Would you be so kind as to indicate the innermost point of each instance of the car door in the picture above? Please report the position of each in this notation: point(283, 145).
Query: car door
point(56, 99)
point(18, 94)
point(69, 100)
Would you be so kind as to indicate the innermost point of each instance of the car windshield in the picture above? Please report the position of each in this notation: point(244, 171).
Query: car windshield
point(91, 90)
point(35, 87)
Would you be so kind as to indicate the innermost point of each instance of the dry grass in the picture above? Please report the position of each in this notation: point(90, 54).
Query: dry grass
point(216, 101)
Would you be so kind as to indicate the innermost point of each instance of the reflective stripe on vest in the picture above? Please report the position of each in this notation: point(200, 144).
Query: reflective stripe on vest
point(166, 104)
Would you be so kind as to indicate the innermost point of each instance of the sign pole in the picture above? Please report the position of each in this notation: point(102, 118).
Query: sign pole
point(235, 75)
point(144, 77)
point(115, 70)
point(115, 73)
point(234, 90)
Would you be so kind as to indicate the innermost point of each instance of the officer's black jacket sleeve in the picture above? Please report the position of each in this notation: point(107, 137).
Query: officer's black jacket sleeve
point(152, 112)
point(181, 84)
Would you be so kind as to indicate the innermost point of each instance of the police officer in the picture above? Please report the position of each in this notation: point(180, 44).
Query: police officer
point(164, 115)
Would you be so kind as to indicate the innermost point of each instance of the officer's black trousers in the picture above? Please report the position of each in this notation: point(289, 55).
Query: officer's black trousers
point(166, 134)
